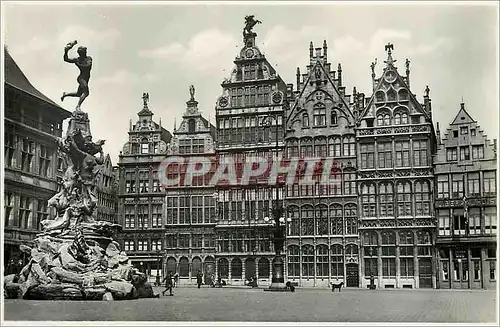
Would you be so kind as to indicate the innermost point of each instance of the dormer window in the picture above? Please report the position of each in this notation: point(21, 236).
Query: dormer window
point(319, 115)
point(144, 146)
point(333, 117)
point(305, 120)
point(464, 130)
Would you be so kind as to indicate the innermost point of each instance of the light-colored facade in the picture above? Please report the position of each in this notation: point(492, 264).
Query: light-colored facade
point(248, 114)
point(395, 144)
point(31, 160)
point(465, 178)
point(141, 199)
point(190, 210)
point(322, 239)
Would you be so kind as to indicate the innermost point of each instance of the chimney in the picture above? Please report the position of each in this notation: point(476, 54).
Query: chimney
point(339, 74)
point(325, 50)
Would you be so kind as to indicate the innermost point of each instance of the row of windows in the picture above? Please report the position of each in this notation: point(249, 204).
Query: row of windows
point(31, 211)
point(394, 154)
point(404, 237)
point(143, 216)
point(29, 156)
point(458, 185)
point(459, 259)
point(321, 147)
point(249, 240)
point(323, 220)
point(406, 200)
point(391, 95)
point(145, 147)
point(465, 152)
point(142, 182)
point(341, 184)
point(250, 135)
point(191, 146)
point(400, 118)
point(473, 222)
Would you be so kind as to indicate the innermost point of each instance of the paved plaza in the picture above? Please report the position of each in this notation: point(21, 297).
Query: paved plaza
point(305, 305)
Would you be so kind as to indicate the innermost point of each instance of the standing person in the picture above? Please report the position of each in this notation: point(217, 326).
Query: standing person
point(199, 278)
point(168, 284)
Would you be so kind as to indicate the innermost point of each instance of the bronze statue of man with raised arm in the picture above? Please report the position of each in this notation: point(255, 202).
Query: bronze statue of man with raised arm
point(84, 63)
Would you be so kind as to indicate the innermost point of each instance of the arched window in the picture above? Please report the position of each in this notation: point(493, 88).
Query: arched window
point(422, 199)
point(404, 118)
point(322, 220)
point(305, 120)
point(334, 147)
point(369, 204)
point(404, 199)
point(397, 118)
point(306, 147)
point(351, 250)
point(171, 265)
point(336, 225)
point(319, 115)
point(294, 214)
point(403, 95)
point(383, 118)
point(320, 147)
point(307, 221)
point(293, 261)
point(196, 265)
point(386, 200)
point(379, 96)
point(391, 95)
point(333, 117)
point(307, 261)
point(351, 221)
point(337, 258)
point(263, 267)
point(322, 260)
point(223, 268)
point(424, 243)
point(144, 146)
point(236, 269)
point(184, 267)
point(191, 125)
point(293, 148)
point(370, 253)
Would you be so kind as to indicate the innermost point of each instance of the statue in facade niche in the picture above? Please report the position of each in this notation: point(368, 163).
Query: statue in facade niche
point(250, 22)
point(84, 64)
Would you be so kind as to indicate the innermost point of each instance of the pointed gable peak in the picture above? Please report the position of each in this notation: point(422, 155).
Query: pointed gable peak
point(462, 117)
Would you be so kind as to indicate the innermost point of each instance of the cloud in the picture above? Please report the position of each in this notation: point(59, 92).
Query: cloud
point(208, 46)
point(89, 37)
point(346, 44)
point(384, 36)
point(119, 77)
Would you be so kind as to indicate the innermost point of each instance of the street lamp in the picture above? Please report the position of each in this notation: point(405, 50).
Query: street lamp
point(278, 279)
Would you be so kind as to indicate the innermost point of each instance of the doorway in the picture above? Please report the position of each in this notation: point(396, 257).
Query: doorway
point(352, 272)
point(425, 272)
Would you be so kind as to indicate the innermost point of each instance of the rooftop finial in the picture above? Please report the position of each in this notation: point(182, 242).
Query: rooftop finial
point(250, 22)
point(372, 66)
point(389, 47)
point(145, 99)
point(427, 90)
point(191, 91)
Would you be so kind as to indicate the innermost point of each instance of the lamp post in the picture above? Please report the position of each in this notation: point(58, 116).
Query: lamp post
point(278, 278)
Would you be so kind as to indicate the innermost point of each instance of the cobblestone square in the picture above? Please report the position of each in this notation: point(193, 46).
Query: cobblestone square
point(255, 305)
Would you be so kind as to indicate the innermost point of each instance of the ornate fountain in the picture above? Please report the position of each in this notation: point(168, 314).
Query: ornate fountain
point(75, 256)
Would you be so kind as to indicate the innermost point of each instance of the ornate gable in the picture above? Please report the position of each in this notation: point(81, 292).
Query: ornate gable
point(320, 98)
point(392, 99)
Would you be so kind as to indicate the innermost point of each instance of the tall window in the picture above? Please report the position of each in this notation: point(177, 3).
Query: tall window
point(305, 120)
point(473, 188)
point(404, 199)
point(370, 243)
point(156, 215)
point(400, 118)
point(334, 147)
point(144, 146)
point(144, 181)
point(294, 214)
point(474, 221)
point(464, 153)
point(442, 187)
point(44, 161)
point(386, 200)
point(336, 225)
point(307, 221)
point(293, 261)
point(142, 245)
point(306, 147)
point(8, 206)
point(10, 150)
point(25, 212)
point(191, 125)
point(367, 156)
point(349, 183)
point(130, 182)
point(369, 204)
point(383, 119)
point(129, 216)
point(349, 146)
point(321, 220)
point(459, 222)
point(477, 152)
point(451, 154)
point(129, 245)
point(444, 222)
point(42, 213)
point(320, 147)
point(422, 198)
point(424, 243)
point(420, 153)
point(293, 149)
point(319, 115)
point(27, 153)
point(402, 154)
point(406, 253)
point(156, 245)
point(337, 259)
point(333, 117)
point(490, 220)
point(350, 214)
point(307, 261)
point(489, 183)
point(143, 215)
point(384, 155)
point(388, 254)
point(322, 260)
point(457, 189)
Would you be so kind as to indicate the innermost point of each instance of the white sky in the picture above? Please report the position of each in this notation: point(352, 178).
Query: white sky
point(162, 48)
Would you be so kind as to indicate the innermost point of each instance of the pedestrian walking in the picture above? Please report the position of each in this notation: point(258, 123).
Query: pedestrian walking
point(199, 278)
point(168, 284)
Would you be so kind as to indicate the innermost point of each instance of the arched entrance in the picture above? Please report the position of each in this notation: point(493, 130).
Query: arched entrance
point(196, 265)
point(223, 267)
point(209, 270)
point(184, 267)
point(236, 269)
point(263, 268)
point(171, 265)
